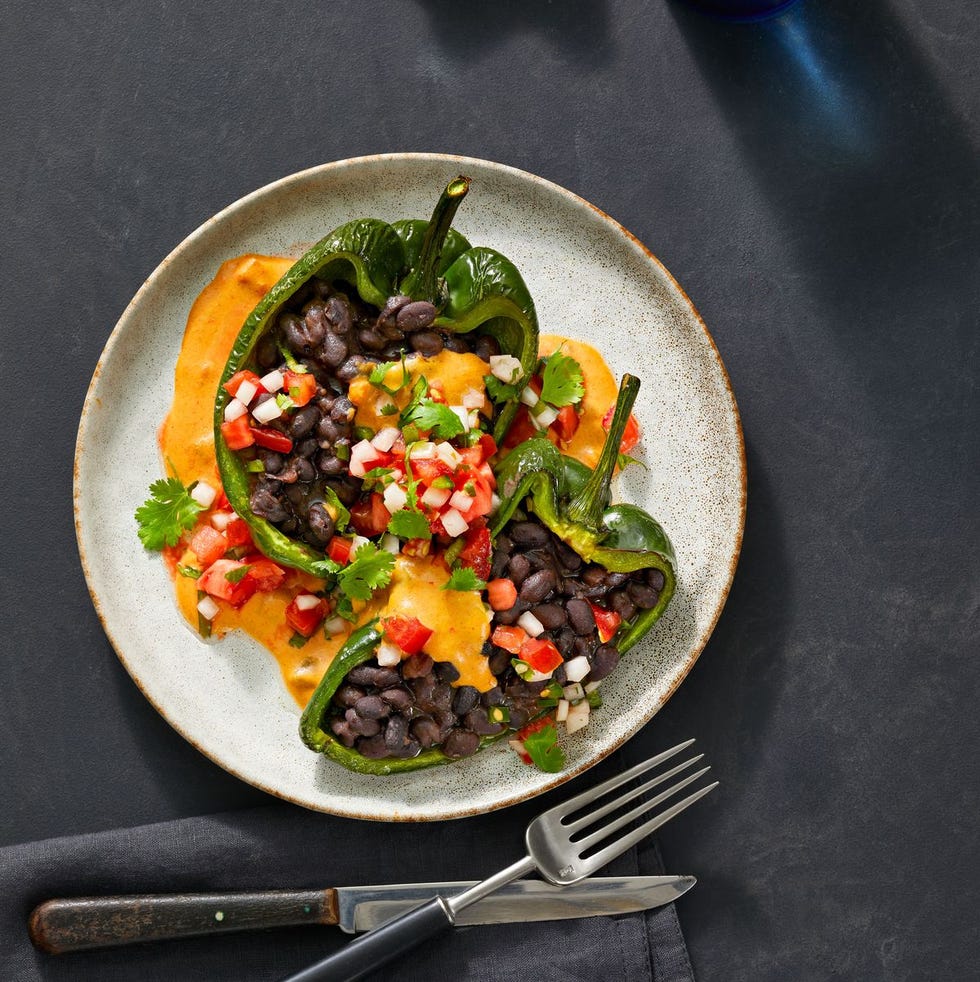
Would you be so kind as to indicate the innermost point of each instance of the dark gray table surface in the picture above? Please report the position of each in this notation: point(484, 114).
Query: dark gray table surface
point(813, 185)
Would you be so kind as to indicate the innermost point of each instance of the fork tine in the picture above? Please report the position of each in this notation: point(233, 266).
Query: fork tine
point(644, 806)
point(593, 816)
point(618, 847)
point(589, 795)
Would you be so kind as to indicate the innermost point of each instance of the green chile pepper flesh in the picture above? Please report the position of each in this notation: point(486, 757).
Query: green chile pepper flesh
point(473, 289)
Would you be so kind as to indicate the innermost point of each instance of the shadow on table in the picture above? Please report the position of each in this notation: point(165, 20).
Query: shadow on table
point(836, 100)
point(578, 31)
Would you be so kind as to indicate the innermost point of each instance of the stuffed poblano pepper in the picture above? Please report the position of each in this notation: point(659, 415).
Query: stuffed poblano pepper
point(381, 335)
point(571, 584)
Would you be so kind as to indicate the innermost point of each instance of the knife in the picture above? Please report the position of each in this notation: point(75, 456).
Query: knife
point(80, 923)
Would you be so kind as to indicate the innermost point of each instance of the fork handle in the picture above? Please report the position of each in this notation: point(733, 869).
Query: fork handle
point(380, 946)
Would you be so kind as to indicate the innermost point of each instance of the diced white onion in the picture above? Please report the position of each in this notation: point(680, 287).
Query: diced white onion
point(207, 608)
point(424, 450)
point(436, 497)
point(390, 543)
point(273, 382)
point(246, 392)
point(573, 692)
point(385, 438)
point(516, 746)
point(494, 502)
point(473, 398)
point(592, 686)
point(356, 543)
point(222, 519)
point(529, 397)
point(538, 676)
point(464, 416)
point(531, 624)
point(578, 717)
point(561, 710)
point(461, 501)
point(577, 668)
point(505, 367)
point(306, 601)
point(234, 410)
point(447, 453)
point(395, 497)
point(473, 418)
point(546, 416)
point(204, 494)
point(453, 522)
point(362, 455)
point(336, 625)
point(389, 655)
point(267, 411)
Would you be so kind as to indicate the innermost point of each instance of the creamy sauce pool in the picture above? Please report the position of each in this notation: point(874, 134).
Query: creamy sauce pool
point(459, 620)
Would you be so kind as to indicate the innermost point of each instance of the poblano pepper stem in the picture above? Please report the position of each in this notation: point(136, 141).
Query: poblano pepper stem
point(423, 282)
point(586, 507)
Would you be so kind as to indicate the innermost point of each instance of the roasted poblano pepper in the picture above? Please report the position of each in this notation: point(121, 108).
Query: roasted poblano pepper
point(473, 289)
point(574, 503)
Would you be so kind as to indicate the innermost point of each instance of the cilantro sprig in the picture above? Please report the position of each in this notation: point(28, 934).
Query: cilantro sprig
point(167, 513)
point(369, 570)
point(464, 579)
point(542, 747)
point(562, 382)
point(409, 524)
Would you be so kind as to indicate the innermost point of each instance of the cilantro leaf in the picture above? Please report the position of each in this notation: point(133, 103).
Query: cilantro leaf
point(326, 567)
point(562, 383)
point(237, 574)
point(379, 372)
point(542, 747)
point(408, 524)
point(169, 512)
point(370, 570)
point(464, 579)
point(436, 419)
point(501, 391)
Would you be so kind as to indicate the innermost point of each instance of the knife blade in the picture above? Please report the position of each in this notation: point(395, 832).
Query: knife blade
point(81, 923)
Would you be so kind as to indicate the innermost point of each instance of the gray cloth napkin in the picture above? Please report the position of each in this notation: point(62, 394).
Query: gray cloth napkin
point(282, 846)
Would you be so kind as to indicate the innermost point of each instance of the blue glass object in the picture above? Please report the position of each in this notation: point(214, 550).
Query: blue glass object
point(742, 10)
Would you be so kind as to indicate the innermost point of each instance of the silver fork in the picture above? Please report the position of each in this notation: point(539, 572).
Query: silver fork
point(559, 847)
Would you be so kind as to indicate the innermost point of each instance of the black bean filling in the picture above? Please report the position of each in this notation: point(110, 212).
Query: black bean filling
point(398, 712)
point(335, 335)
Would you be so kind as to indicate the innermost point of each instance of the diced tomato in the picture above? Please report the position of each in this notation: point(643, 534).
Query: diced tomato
point(208, 544)
point(299, 386)
point(541, 654)
point(566, 425)
point(237, 533)
point(520, 430)
point(237, 433)
point(214, 581)
point(607, 621)
point(476, 552)
point(221, 503)
point(231, 386)
point(427, 469)
point(502, 594)
point(509, 637)
point(408, 633)
point(488, 445)
point(264, 573)
point(483, 484)
point(631, 435)
point(272, 439)
point(338, 549)
point(536, 384)
point(370, 516)
point(306, 621)
point(536, 724)
point(436, 394)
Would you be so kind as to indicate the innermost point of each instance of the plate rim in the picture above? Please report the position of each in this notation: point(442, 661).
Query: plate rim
point(297, 178)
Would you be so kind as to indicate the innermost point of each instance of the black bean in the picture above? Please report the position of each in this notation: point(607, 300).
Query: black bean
point(530, 535)
point(614, 580)
point(307, 447)
point(604, 661)
point(422, 687)
point(350, 368)
point(508, 617)
point(485, 346)
point(396, 733)
point(346, 695)
point(465, 698)
point(427, 343)
point(347, 489)
point(301, 336)
point(327, 430)
point(325, 404)
point(552, 616)
point(416, 315)
point(518, 717)
point(265, 504)
point(418, 665)
point(583, 646)
point(389, 312)
point(321, 524)
point(373, 748)
point(565, 641)
point(342, 410)
point(342, 731)
point(457, 344)
point(426, 731)
point(442, 696)
point(537, 586)
point(371, 339)
point(567, 556)
point(410, 748)
point(478, 721)
point(499, 661)
point(498, 565)
point(303, 422)
point(383, 678)
point(580, 616)
point(446, 720)
point(655, 578)
point(271, 461)
point(620, 602)
point(594, 576)
point(461, 743)
point(446, 671)
point(645, 597)
point(361, 725)
point(328, 463)
point(492, 697)
point(518, 568)
point(303, 469)
point(333, 350)
point(338, 315)
point(398, 697)
point(371, 707)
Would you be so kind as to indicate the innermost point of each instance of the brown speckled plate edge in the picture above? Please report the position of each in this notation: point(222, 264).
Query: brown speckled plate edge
point(387, 803)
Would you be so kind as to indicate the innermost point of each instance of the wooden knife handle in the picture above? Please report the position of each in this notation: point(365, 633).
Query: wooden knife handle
point(78, 923)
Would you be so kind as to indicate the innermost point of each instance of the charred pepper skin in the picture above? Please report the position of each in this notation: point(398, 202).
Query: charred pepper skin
point(473, 289)
point(573, 502)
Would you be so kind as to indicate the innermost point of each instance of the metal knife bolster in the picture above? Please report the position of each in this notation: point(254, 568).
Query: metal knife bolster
point(364, 908)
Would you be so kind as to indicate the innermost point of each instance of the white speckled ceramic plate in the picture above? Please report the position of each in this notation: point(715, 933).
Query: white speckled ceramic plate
point(590, 279)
